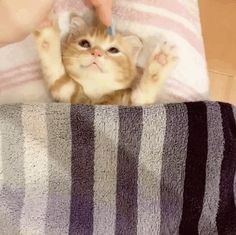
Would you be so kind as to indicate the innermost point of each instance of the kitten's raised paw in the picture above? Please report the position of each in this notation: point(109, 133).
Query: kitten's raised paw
point(47, 32)
point(50, 22)
point(163, 59)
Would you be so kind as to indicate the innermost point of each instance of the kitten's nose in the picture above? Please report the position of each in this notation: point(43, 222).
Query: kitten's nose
point(97, 53)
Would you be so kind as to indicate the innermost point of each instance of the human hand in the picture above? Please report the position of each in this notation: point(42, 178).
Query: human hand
point(103, 10)
point(19, 17)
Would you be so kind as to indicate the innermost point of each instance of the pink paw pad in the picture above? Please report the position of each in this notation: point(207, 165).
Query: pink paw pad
point(45, 45)
point(161, 58)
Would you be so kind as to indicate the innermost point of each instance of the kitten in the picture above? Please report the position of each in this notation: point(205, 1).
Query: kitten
point(91, 67)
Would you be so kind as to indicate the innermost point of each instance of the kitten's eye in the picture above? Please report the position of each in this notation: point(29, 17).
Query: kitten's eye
point(85, 43)
point(113, 50)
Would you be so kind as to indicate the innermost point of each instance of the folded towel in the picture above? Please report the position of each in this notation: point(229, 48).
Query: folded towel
point(114, 170)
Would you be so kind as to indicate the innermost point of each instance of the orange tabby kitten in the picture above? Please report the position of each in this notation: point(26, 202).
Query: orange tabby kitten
point(92, 67)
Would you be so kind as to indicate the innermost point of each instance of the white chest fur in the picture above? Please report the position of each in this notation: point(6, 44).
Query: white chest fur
point(98, 85)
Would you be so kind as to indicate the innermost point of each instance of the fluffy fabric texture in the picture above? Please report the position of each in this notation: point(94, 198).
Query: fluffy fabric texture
point(108, 170)
point(174, 20)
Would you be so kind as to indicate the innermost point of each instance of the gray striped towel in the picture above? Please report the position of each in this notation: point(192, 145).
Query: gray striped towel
point(105, 170)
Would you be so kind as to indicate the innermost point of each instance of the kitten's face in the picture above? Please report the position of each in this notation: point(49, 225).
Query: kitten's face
point(92, 54)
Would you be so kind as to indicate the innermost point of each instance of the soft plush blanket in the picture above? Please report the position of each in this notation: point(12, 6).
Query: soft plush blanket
point(107, 170)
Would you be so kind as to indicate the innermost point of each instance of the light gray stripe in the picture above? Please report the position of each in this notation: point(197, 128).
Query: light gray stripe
point(207, 222)
point(33, 215)
point(106, 143)
point(59, 150)
point(149, 170)
point(173, 169)
point(13, 191)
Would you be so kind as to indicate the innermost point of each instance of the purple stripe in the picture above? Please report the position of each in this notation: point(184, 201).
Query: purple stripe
point(130, 132)
point(173, 168)
point(226, 216)
point(82, 170)
point(195, 172)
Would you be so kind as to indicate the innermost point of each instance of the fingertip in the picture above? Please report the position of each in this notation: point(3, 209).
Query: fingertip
point(104, 14)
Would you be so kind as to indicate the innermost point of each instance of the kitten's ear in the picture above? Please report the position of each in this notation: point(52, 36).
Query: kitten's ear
point(136, 45)
point(77, 25)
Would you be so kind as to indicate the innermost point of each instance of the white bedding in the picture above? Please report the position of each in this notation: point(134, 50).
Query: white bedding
point(153, 20)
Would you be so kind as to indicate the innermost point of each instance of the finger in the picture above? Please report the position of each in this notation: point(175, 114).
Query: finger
point(104, 14)
point(2, 45)
point(88, 3)
point(97, 3)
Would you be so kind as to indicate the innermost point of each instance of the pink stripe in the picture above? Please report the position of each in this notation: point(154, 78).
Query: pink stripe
point(20, 83)
point(20, 76)
point(70, 5)
point(172, 5)
point(22, 66)
point(160, 21)
point(16, 75)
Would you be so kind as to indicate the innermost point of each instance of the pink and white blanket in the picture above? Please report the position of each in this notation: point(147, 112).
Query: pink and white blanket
point(153, 20)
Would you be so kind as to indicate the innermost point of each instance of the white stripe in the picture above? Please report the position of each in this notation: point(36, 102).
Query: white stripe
point(162, 12)
point(149, 171)
point(21, 80)
point(16, 71)
point(36, 170)
point(106, 142)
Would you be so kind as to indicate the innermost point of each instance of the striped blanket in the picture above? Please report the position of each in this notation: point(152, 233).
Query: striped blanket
point(107, 170)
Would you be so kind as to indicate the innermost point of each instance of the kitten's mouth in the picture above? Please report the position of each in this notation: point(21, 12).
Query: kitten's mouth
point(93, 65)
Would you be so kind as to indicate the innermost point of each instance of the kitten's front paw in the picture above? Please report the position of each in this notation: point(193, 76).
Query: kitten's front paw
point(163, 60)
point(47, 32)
